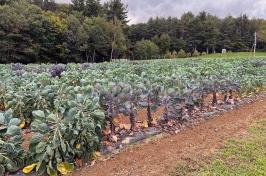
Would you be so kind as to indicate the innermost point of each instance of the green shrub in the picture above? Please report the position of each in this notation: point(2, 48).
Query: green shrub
point(203, 53)
point(174, 54)
point(168, 55)
point(182, 54)
point(171, 55)
point(146, 49)
point(195, 53)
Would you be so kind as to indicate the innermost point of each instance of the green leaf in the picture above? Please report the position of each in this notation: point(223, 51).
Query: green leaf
point(36, 138)
point(38, 114)
point(70, 115)
point(62, 110)
point(56, 142)
point(49, 151)
point(128, 105)
point(98, 114)
point(77, 89)
point(143, 104)
point(11, 166)
point(1, 158)
point(2, 169)
point(51, 172)
point(10, 148)
point(91, 126)
point(40, 127)
point(13, 130)
point(51, 118)
point(41, 147)
point(8, 114)
point(14, 121)
point(63, 146)
point(2, 118)
point(41, 168)
point(17, 139)
point(80, 98)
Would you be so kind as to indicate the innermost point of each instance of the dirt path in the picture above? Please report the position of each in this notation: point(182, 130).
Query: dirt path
point(159, 157)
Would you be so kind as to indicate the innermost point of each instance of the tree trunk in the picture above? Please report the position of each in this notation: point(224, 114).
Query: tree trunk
point(93, 59)
point(112, 53)
point(87, 55)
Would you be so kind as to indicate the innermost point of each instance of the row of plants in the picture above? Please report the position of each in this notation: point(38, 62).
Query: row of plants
point(66, 107)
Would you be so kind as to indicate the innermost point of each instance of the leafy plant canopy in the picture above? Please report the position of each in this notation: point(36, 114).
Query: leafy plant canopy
point(66, 108)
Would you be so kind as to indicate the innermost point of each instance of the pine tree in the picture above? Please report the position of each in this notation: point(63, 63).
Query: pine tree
point(78, 5)
point(49, 5)
point(93, 8)
point(115, 9)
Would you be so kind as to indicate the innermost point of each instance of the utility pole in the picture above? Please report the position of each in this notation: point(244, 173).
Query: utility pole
point(255, 43)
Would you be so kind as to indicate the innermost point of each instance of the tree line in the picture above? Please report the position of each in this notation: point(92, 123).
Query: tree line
point(42, 31)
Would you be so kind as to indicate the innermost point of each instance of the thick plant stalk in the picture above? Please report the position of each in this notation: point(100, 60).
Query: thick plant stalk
point(2, 107)
point(112, 126)
point(225, 97)
point(132, 119)
point(214, 98)
point(149, 116)
point(165, 114)
point(201, 105)
point(190, 110)
point(183, 109)
point(166, 109)
point(231, 94)
point(111, 118)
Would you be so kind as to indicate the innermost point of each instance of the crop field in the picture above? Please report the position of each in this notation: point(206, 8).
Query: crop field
point(56, 117)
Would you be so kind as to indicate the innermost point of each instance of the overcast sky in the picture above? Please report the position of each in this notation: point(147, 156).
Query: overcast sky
point(142, 10)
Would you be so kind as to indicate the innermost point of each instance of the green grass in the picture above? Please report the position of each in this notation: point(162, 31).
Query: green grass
point(230, 55)
point(239, 157)
point(235, 55)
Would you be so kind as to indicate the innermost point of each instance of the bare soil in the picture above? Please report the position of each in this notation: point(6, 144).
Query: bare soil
point(159, 156)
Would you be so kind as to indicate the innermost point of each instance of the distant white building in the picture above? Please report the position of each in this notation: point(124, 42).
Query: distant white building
point(224, 51)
